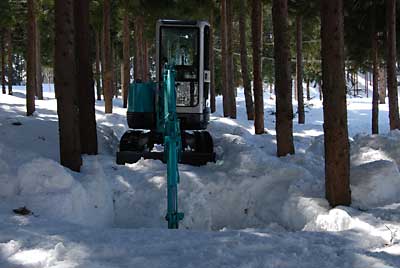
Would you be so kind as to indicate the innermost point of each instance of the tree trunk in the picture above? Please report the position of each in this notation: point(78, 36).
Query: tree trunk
point(145, 59)
point(391, 64)
point(108, 68)
point(224, 60)
point(308, 90)
point(337, 158)
point(382, 84)
point(283, 88)
point(98, 72)
point(366, 83)
point(212, 65)
point(243, 61)
point(320, 90)
point(39, 77)
point(299, 68)
point(256, 36)
point(139, 68)
point(65, 85)
point(126, 60)
point(10, 61)
point(3, 64)
point(375, 92)
point(102, 65)
point(31, 60)
point(230, 67)
point(114, 81)
point(84, 78)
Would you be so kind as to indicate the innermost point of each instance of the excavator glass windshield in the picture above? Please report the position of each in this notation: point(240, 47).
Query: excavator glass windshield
point(180, 47)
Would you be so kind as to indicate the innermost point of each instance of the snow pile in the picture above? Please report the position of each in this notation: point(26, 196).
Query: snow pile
point(265, 211)
point(375, 184)
point(50, 190)
point(375, 177)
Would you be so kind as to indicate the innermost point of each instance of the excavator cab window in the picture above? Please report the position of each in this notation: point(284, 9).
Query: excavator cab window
point(180, 47)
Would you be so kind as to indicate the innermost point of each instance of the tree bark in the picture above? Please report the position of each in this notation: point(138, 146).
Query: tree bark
point(256, 36)
point(391, 64)
point(98, 72)
point(65, 85)
point(126, 60)
point(320, 90)
point(230, 67)
point(145, 60)
point(308, 89)
point(139, 68)
point(84, 78)
point(224, 60)
point(108, 69)
point(283, 80)
point(39, 77)
point(102, 65)
point(337, 158)
point(212, 65)
point(243, 61)
point(31, 60)
point(382, 84)
point(375, 92)
point(10, 62)
point(3, 64)
point(299, 68)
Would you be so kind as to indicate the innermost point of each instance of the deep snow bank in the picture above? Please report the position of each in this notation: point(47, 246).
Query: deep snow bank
point(52, 191)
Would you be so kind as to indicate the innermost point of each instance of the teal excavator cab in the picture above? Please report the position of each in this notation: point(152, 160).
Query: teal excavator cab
point(185, 46)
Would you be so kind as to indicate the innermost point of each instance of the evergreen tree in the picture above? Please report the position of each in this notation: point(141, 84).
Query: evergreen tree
point(337, 156)
point(256, 35)
point(31, 59)
point(243, 60)
point(283, 88)
point(391, 64)
point(84, 78)
point(65, 85)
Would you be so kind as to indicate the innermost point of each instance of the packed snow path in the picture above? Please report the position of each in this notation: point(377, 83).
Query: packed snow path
point(250, 209)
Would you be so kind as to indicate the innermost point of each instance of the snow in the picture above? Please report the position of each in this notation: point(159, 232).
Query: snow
point(249, 209)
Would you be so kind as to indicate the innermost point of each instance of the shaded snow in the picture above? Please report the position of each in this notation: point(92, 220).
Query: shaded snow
point(249, 209)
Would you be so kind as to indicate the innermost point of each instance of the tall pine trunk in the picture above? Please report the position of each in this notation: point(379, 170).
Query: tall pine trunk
point(230, 67)
point(126, 59)
point(337, 158)
point(391, 64)
point(212, 65)
point(98, 72)
point(65, 85)
point(84, 78)
point(299, 68)
point(3, 63)
point(224, 60)
point(283, 79)
point(145, 59)
point(39, 77)
point(256, 36)
point(382, 84)
point(108, 68)
point(10, 61)
point(31, 60)
point(375, 92)
point(243, 61)
point(140, 55)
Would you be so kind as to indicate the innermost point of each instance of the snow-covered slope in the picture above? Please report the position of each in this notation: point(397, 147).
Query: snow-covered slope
point(249, 209)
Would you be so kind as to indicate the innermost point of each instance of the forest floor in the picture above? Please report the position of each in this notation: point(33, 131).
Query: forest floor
point(249, 209)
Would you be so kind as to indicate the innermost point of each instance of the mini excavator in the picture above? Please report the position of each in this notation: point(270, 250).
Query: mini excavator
point(173, 112)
